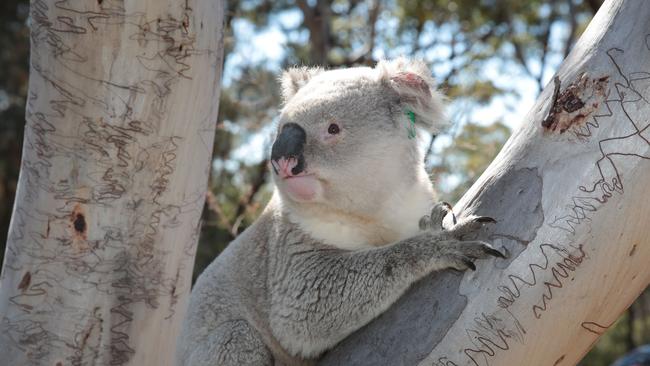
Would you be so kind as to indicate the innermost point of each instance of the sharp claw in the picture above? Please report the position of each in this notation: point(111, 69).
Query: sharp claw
point(469, 264)
point(495, 253)
point(486, 219)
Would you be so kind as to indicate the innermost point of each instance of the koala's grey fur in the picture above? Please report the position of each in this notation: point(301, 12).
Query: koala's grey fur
point(310, 271)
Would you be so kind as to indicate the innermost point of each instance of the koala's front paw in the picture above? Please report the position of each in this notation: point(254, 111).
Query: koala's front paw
point(433, 221)
point(456, 252)
point(460, 255)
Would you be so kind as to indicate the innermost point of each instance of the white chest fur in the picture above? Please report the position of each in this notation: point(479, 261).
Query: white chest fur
point(398, 219)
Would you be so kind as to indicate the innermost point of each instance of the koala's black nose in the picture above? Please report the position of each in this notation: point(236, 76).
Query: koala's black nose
point(290, 144)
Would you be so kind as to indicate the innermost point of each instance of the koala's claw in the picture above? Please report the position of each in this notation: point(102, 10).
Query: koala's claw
point(460, 263)
point(470, 225)
point(486, 219)
point(477, 249)
point(453, 216)
point(470, 264)
point(496, 253)
point(462, 254)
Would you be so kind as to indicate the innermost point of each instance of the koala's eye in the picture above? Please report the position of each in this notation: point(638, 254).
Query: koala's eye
point(333, 129)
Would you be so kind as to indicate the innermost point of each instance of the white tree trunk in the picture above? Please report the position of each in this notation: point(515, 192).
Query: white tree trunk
point(570, 191)
point(123, 99)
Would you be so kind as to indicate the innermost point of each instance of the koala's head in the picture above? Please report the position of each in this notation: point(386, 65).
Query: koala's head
point(347, 138)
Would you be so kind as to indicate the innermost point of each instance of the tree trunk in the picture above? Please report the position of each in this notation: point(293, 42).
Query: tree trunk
point(123, 99)
point(570, 193)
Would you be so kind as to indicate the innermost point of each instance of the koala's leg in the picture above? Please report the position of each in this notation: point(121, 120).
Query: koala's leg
point(233, 343)
point(325, 294)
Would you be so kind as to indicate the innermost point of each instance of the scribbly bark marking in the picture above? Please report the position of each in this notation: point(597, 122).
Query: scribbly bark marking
point(575, 104)
point(491, 333)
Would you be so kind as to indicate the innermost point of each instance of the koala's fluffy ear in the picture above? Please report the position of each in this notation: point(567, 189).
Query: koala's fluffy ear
point(412, 81)
point(295, 78)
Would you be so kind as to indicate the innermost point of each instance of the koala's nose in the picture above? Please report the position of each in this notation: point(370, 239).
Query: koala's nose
point(289, 146)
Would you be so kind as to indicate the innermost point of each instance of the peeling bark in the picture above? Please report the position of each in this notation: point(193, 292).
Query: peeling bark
point(569, 191)
point(123, 99)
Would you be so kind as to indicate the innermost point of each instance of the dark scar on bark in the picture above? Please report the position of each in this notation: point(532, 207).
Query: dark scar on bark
point(80, 223)
point(575, 103)
point(24, 283)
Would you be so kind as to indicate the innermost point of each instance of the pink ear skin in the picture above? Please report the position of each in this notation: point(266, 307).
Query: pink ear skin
point(412, 81)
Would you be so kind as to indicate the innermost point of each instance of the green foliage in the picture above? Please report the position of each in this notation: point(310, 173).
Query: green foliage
point(467, 157)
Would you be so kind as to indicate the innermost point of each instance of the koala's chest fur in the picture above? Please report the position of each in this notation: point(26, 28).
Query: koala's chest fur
point(396, 220)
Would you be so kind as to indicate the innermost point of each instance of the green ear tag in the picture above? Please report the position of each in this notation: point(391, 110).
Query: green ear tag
point(410, 129)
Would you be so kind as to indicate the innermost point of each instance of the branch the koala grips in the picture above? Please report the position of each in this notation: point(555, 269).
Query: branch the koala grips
point(410, 128)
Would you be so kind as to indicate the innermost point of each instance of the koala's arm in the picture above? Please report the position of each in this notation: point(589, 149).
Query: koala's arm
point(323, 295)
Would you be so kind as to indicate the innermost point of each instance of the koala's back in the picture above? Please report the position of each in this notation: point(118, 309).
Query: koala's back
point(231, 291)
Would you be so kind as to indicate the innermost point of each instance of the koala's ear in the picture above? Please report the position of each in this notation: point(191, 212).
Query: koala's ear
point(295, 78)
point(412, 81)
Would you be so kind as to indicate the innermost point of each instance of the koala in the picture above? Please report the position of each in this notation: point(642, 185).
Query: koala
point(352, 224)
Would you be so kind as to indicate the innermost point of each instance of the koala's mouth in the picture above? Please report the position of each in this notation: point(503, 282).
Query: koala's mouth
point(302, 186)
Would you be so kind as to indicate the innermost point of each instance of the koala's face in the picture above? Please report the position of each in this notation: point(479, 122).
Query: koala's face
point(343, 139)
